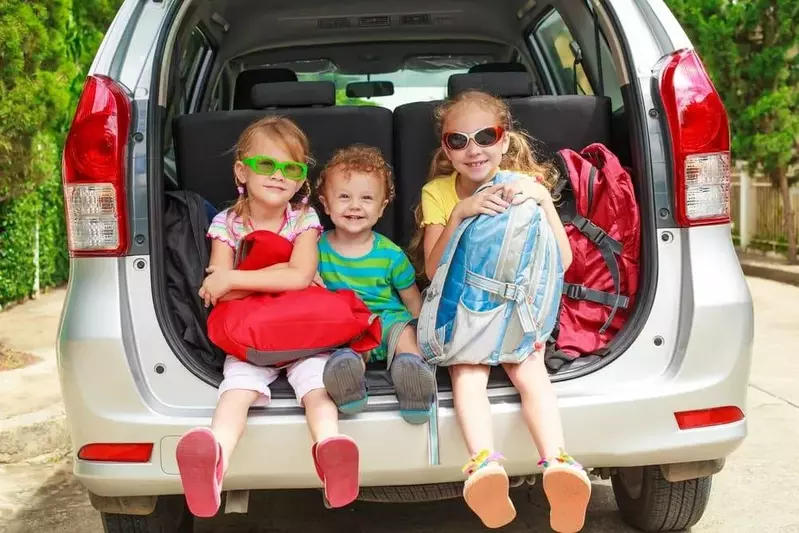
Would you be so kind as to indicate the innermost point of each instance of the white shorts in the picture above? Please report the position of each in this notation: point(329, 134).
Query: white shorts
point(304, 375)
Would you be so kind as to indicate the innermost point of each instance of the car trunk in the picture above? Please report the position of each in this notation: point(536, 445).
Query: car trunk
point(625, 138)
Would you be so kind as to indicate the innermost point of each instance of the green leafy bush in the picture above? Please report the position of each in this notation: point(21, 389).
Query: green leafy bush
point(46, 49)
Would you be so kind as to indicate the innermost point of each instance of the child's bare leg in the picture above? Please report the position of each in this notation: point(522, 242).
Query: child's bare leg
point(407, 341)
point(230, 419)
point(335, 456)
point(566, 484)
point(472, 408)
point(413, 380)
point(486, 489)
point(204, 454)
point(539, 404)
point(321, 414)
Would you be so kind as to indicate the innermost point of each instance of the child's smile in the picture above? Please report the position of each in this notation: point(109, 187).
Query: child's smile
point(354, 200)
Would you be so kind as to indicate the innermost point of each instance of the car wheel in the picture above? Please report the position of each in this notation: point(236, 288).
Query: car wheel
point(649, 502)
point(171, 515)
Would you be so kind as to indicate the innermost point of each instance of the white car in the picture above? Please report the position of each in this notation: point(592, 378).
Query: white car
point(170, 90)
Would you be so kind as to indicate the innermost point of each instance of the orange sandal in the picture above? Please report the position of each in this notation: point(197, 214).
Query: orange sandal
point(486, 490)
point(568, 491)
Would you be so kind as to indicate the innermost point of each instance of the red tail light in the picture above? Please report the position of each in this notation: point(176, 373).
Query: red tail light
point(700, 141)
point(94, 170)
point(709, 417)
point(117, 452)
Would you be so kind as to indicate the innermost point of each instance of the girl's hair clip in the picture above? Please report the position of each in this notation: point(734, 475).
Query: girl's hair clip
point(304, 200)
point(240, 189)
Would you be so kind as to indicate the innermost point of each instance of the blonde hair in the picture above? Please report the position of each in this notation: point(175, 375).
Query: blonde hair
point(358, 158)
point(520, 156)
point(285, 131)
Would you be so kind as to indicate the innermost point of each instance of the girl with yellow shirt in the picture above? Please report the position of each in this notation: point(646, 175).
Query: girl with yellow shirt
point(477, 140)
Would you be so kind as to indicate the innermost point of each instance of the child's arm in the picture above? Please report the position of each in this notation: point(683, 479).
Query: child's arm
point(222, 256)
point(436, 236)
point(403, 279)
point(237, 295)
point(222, 280)
point(297, 275)
point(412, 299)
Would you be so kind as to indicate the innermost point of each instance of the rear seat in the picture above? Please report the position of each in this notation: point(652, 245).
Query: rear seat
point(204, 142)
point(556, 121)
point(247, 79)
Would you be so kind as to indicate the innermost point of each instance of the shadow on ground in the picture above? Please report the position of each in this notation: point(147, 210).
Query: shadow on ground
point(61, 505)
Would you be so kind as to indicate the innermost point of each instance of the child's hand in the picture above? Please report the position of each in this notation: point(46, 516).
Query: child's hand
point(216, 284)
point(521, 190)
point(487, 202)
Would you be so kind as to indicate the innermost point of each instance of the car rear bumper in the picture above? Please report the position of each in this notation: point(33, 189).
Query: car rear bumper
point(621, 415)
point(625, 426)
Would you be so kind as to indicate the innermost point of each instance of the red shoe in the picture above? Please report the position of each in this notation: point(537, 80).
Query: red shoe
point(201, 469)
point(337, 464)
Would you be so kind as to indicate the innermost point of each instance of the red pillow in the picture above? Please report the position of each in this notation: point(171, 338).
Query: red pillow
point(273, 329)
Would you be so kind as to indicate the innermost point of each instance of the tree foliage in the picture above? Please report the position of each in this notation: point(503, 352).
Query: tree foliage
point(751, 50)
point(46, 49)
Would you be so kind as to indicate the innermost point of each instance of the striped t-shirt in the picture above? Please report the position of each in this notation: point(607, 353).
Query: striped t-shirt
point(375, 277)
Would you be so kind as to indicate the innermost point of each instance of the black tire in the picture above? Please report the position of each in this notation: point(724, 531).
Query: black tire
point(649, 502)
point(412, 493)
point(171, 515)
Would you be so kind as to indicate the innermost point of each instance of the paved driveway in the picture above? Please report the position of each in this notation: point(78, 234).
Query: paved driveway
point(758, 491)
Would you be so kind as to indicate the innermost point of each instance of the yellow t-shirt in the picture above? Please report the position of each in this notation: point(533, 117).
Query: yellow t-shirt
point(439, 199)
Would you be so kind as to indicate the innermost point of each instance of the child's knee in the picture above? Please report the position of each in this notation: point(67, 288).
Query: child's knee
point(407, 341)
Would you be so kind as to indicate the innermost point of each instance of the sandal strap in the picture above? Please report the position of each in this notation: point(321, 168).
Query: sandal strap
point(481, 459)
point(562, 458)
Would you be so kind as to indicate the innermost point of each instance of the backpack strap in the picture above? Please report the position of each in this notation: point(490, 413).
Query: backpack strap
point(608, 247)
point(506, 291)
point(430, 297)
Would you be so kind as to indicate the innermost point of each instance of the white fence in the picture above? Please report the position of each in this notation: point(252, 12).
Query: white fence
point(757, 213)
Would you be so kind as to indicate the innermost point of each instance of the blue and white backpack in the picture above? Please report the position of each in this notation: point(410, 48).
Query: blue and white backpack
point(496, 293)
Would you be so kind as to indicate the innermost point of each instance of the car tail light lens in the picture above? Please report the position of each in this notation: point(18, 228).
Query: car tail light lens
point(703, 418)
point(700, 141)
point(117, 452)
point(94, 170)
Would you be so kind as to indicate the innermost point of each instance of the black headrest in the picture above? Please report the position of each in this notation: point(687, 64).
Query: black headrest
point(294, 94)
point(501, 84)
point(511, 66)
point(248, 79)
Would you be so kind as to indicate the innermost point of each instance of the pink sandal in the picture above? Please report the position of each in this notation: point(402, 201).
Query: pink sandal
point(336, 460)
point(486, 490)
point(201, 468)
point(568, 491)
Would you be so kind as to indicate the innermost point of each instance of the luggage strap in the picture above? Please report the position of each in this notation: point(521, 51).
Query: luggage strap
point(507, 291)
point(581, 292)
point(609, 248)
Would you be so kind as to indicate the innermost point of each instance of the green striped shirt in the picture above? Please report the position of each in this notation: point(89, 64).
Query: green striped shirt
point(375, 277)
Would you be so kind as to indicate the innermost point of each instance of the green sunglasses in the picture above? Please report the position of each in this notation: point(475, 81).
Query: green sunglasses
point(267, 166)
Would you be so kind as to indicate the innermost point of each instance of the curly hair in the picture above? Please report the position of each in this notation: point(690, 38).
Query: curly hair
point(359, 158)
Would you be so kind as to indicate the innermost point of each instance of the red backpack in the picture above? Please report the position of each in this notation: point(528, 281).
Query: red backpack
point(275, 329)
point(598, 208)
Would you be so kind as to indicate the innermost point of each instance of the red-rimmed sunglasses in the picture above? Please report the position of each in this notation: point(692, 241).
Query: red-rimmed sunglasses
point(456, 140)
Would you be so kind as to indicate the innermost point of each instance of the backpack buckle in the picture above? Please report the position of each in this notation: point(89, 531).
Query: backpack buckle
point(594, 233)
point(575, 292)
point(509, 291)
